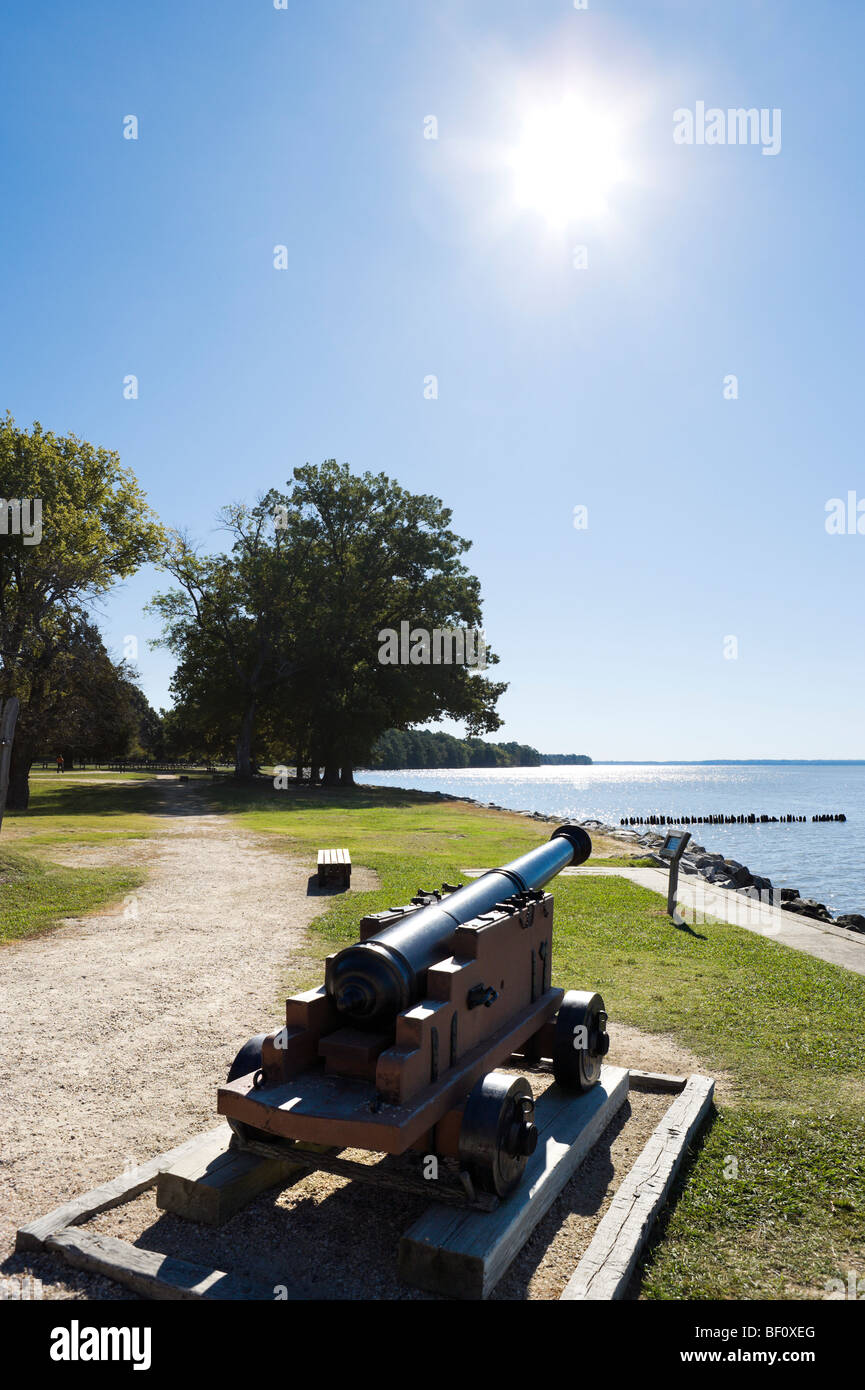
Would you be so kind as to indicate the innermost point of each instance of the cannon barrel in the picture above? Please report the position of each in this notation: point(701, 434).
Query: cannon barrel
point(373, 981)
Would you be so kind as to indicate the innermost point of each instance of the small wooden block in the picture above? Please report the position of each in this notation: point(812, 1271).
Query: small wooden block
point(606, 1268)
point(463, 1254)
point(214, 1182)
point(350, 1052)
point(656, 1081)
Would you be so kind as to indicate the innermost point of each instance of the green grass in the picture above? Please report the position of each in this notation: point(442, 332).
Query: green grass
point(773, 1206)
point(786, 1026)
point(62, 811)
point(33, 895)
point(620, 861)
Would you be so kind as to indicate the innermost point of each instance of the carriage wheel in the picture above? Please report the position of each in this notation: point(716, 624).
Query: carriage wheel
point(498, 1132)
point(581, 1040)
point(248, 1059)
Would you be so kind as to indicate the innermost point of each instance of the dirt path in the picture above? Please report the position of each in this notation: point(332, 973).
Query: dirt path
point(118, 1027)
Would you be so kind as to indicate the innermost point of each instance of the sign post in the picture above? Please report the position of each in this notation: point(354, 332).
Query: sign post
point(672, 849)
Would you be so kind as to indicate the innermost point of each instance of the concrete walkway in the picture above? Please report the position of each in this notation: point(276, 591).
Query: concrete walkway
point(698, 900)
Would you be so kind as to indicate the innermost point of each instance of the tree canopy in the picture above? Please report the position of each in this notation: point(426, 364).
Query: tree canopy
point(278, 644)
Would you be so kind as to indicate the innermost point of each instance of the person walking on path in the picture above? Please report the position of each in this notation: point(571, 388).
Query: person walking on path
point(60, 762)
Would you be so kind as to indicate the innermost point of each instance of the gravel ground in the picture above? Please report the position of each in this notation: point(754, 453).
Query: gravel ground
point(119, 1026)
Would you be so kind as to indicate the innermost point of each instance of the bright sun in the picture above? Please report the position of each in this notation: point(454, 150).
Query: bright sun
point(566, 162)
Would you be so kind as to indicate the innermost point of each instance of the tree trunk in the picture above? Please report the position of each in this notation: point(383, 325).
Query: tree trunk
point(331, 775)
point(298, 763)
point(18, 795)
point(243, 752)
point(346, 778)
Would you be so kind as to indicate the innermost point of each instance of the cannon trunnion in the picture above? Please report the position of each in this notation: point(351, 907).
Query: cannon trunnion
point(397, 1050)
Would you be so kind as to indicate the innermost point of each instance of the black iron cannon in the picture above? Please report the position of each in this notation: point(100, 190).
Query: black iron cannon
point(398, 1050)
point(373, 981)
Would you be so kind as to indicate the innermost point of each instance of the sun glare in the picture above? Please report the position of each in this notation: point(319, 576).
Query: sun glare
point(566, 162)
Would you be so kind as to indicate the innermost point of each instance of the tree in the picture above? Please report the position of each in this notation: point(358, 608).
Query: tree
point(382, 556)
point(148, 736)
point(281, 641)
point(232, 625)
point(96, 528)
point(80, 702)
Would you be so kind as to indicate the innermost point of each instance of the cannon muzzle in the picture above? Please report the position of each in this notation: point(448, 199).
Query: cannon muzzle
point(373, 981)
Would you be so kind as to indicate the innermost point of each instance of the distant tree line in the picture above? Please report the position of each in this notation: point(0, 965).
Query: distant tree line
point(411, 748)
point(568, 758)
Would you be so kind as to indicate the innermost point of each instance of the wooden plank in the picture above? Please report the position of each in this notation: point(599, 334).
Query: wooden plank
point(110, 1194)
point(464, 1254)
point(656, 1081)
point(149, 1273)
point(213, 1182)
point(605, 1269)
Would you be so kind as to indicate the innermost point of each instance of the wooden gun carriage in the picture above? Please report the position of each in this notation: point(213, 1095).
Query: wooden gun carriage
point(396, 1052)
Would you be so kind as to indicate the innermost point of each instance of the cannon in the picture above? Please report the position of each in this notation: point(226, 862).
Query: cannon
point(397, 1052)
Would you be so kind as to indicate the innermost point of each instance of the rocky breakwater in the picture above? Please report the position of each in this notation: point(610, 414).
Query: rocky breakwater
point(714, 868)
point(738, 878)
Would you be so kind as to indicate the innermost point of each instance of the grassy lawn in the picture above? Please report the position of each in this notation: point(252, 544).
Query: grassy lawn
point(34, 895)
point(65, 810)
point(773, 1203)
point(72, 809)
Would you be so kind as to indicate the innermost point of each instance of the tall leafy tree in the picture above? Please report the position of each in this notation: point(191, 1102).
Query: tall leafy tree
point(382, 556)
point(96, 528)
point(79, 702)
point(232, 625)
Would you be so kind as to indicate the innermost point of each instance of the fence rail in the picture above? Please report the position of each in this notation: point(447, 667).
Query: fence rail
point(122, 765)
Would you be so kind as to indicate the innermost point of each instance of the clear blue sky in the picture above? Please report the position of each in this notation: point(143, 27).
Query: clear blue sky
point(410, 256)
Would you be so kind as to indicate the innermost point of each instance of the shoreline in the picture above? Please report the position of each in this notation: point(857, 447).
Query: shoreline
point(715, 868)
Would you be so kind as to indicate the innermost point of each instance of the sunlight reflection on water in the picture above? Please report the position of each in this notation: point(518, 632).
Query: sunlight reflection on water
point(825, 861)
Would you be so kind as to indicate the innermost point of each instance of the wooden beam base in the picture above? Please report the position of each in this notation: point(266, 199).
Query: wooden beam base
point(464, 1254)
point(111, 1194)
point(458, 1253)
point(606, 1268)
point(150, 1274)
point(213, 1181)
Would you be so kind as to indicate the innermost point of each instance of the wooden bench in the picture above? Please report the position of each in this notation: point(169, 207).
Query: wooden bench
point(334, 866)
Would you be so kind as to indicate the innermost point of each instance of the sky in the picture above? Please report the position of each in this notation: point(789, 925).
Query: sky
point(432, 171)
